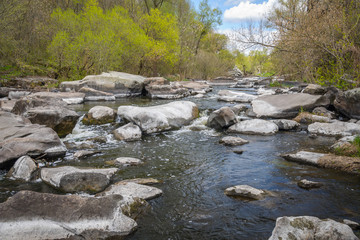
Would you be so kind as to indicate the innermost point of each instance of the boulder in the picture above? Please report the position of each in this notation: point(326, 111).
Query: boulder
point(68, 97)
point(118, 83)
point(99, 115)
point(321, 111)
point(96, 95)
point(31, 215)
point(23, 168)
point(196, 87)
point(336, 128)
point(245, 191)
point(7, 105)
point(232, 96)
point(221, 118)
point(159, 87)
point(306, 184)
point(314, 89)
point(162, 117)
point(18, 137)
point(286, 105)
point(304, 157)
point(307, 227)
point(284, 124)
point(233, 141)
point(238, 108)
point(255, 126)
point(308, 118)
point(72, 179)
point(128, 132)
point(125, 161)
point(17, 94)
point(348, 103)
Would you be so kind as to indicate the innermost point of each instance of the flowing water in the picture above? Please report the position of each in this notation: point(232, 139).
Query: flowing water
point(195, 169)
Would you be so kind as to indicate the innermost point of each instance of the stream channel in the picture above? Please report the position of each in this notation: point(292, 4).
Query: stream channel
point(194, 170)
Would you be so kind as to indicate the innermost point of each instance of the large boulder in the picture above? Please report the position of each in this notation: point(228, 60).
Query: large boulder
point(23, 168)
point(99, 115)
point(128, 132)
point(348, 103)
point(233, 96)
point(222, 118)
point(162, 117)
point(31, 215)
point(254, 126)
point(286, 105)
point(18, 137)
point(72, 179)
point(307, 227)
point(118, 83)
point(336, 128)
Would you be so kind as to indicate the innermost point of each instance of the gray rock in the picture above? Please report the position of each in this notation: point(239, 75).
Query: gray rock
point(286, 105)
point(84, 153)
point(238, 108)
point(352, 224)
point(18, 137)
point(245, 191)
point(304, 157)
point(125, 161)
point(169, 90)
point(31, 215)
point(143, 181)
point(307, 227)
point(314, 89)
point(96, 95)
point(196, 87)
point(23, 168)
point(334, 129)
point(284, 124)
point(233, 96)
point(221, 118)
point(68, 97)
point(17, 94)
point(99, 115)
point(308, 118)
point(72, 179)
point(306, 184)
point(321, 111)
point(128, 132)
point(348, 103)
point(233, 141)
point(342, 142)
point(162, 117)
point(7, 105)
point(255, 126)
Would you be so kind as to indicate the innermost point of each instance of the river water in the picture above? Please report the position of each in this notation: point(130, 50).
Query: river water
point(194, 170)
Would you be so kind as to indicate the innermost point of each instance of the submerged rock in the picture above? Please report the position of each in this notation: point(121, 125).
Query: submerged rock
point(162, 117)
point(84, 153)
point(255, 126)
point(31, 215)
point(23, 168)
point(221, 118)
point(306, 184)
point(245, 191)
point(143, 181)
point(128, 132)
point(72, 179)
point(233, 141)
point(125, 161)
point(99, 115)
point(232, 96)
point(334, 129)
point(307, 227)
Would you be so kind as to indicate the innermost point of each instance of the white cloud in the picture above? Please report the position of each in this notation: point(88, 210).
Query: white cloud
point(247, 10)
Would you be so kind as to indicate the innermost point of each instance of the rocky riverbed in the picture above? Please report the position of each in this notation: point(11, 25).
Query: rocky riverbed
point(171, 169)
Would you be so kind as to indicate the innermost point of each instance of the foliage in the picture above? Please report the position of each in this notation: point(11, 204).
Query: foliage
point(351, 149)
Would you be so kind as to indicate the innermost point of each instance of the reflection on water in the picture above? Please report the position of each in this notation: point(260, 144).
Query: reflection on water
point(195, 170)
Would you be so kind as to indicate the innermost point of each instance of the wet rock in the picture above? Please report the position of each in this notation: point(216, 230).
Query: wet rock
point(128, 132)
point(245, 191)
point(238, 151)
point(348, 103)
point(304, 157)
point(308, 118)
point(314, 89)
point(133, 190)
point(307, 227)
point(72, 179)
point(68, 97)
point(321, 111)
point(31, 215)
point(162, 117)
point(23, 168)
point(118, 83)
point(232, 96)
point(306, 184)
point(99, 115)
point(125, 161)
point(143, 181)
point(84, 153)
point(255, 126)
point(286, 105)
point(17, 94)
point(284, 124)
point(352, 224)
point(233, 141)
point(96, 95)
point(221, 118)
point(18, 137)
point(238, 108)
point(336, 128)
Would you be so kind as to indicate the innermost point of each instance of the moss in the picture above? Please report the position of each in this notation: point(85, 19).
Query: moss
point(136, 208)
point(291, 236)
point(88, 120)
point(302, 223)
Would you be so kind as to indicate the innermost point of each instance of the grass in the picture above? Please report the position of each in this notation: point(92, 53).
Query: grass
point(352, 149)
point(278, 84)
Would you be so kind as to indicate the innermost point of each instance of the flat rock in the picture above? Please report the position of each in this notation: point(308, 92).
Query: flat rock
point(284, 124)
point(307, 227)
point(336, 128)
point(304, 157)
point(233, 96)
point(99, 115)
point(96, 95)
point(348, 103)
point(17, 94)
point(286, 105)
point(245, 191)
point(84, 153)
point(306, 184)
point(233, 141)
point(68, 97)
point(72, 179)
point(255, 126)
point(31, 215)
point(221, 118)
point(125, 161)
point(314, 89)
point(308, 118)
point(23, 168)
point(128, 132)
point(162, 117)
point(143, 181)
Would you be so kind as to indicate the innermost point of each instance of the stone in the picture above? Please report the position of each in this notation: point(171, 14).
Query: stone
point(307, 227)
point(245, 191)
point(314, 89)
point(163, 89)
point(131, 189)
point(96, 95)
point(233, 141)
point(352, 224)
point(99, 115)
point(238, 108)
point(23, 169)
point(286, 105)
point(128, 132)
point(348, 103)
point(143, 181)
point(73, 179)
point(118, 83)
point(321, 111)
point(232, 96)
point(343, 143)
point(221, 118)
point(18, 137)
point(196, 87)
point(284, 124)
point(238, 151)
point(125, 161)
point(255, 126)
point(336, 128)
point(306, 184)
point(308, 118)
point(7, 105)
point(17, 94)
point(31, 215)
point(68, 97)
point(162, 117)
point(264, 91)
point(304, 157)
point(84, 153)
